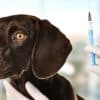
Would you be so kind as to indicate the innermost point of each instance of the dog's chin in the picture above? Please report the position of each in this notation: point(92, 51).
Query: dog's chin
point(6, 70)
point(9, 74)
point(11, 70)
point(4, 75)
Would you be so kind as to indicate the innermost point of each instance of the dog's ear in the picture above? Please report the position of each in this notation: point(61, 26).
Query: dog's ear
point(50, 51)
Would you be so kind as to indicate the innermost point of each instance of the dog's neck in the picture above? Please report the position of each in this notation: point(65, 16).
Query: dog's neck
point(27, 76)
point(19, 83)
point(42, 85)
point(12, 93)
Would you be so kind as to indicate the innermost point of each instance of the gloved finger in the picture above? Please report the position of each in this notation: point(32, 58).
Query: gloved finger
point(94, 49)
point(34, 92)
point(95, 69)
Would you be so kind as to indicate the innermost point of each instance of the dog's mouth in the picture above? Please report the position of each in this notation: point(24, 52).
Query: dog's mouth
point(11, 69)
point(7, 70)
point(4, 69)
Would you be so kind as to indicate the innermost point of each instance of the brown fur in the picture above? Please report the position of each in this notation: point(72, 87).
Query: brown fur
point(35, 59)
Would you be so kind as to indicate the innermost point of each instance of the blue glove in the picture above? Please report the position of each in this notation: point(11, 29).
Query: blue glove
point(96, 50)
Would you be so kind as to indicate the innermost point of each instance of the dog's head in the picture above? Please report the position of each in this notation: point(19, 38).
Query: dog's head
point(26, 41)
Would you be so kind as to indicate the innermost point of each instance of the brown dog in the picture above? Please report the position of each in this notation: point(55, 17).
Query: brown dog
point(34, 50)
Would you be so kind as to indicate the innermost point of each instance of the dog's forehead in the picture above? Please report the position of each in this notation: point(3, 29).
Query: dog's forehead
point(25, 22)
point(17, 18)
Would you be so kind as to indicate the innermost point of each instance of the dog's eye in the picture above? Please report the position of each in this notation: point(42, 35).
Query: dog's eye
point(20, 36)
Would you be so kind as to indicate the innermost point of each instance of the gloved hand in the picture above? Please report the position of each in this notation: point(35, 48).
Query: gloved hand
point(13, 94)
point(96, 50)
point(34, 92)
